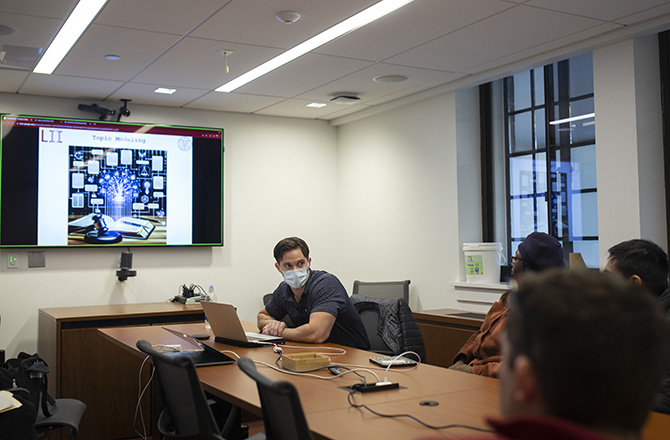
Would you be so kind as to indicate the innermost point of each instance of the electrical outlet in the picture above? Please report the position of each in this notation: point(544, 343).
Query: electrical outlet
point(12, 261)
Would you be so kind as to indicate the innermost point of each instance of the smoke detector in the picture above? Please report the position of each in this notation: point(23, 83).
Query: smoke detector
point(345, 99)
point(288, 17)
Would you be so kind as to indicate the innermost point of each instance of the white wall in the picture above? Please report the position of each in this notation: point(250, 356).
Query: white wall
point(399, 200)
point(629, 150)
point(280, 179)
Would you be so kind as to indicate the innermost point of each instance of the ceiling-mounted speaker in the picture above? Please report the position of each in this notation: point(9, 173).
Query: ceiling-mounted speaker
point(288, 17)
point(345, 99)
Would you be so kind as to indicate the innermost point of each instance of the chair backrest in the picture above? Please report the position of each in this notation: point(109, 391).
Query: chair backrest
point(383, 289)
point(186, 412)
point(370, 318)
point(390, 324)
point(283, 416)
point(266, 298)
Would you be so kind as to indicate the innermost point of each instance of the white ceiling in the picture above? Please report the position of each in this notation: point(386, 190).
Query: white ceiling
point(173, 44)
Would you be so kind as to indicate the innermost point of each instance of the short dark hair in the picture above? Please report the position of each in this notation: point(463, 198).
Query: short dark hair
point(644, 259)
point(597, 345)
point(288, 244)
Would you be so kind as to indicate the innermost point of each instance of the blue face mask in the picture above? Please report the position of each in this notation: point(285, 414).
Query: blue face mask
point(296, 278)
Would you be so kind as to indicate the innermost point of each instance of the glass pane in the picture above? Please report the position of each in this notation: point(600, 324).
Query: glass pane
point(540, 133)
point(583, 130)
point(583, 167)
point(581, 75)
point(559, 207)
point(542, 224)
point(584, 215)
point(589, 251)
point(520, 133)
point(522, 90)
point(539, 85)
point(541, 172)
point(521, 175)
point(522, 217)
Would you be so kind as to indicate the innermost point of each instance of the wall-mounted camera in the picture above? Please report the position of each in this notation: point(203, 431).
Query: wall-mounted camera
point(95, 108)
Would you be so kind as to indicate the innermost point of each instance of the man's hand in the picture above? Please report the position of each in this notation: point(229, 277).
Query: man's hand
point(461, 366)
point(274, 328)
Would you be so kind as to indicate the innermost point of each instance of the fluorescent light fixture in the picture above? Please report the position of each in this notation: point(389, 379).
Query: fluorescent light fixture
point(574, 118)
point(316, 105)
point(165, 91)
point(364, 17)
point(80, 18)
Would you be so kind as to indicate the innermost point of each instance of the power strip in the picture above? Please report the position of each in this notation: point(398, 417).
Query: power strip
point(379, 386)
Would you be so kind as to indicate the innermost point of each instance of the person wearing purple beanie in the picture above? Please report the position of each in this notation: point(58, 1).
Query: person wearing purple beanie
point(482, 353)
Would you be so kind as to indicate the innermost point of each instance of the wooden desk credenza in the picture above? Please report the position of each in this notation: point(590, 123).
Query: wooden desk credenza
point(88, 367)
point(445, 331)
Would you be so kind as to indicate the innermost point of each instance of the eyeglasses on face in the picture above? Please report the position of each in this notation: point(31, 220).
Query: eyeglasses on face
point(516, 260)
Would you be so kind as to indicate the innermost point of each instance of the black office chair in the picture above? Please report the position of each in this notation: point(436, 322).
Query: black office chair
point(286, 319)
point(283, 416)
point(68, 415)
point(383, 289)
point(390, 325)
point(186, 411)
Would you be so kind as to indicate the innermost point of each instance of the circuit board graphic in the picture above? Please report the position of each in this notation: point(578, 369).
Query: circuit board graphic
point(117, 182)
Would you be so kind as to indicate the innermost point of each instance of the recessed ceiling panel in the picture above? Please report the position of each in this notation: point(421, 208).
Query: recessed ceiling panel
point(410, 26)
point(233, 102)
point(68, 86)
point(33, 31)
point(254, 22)
point(168, 16)
point(297, 108)
point(511, 31)
point(361, 82)
point(11, 80)
point(177, 66)
point(601, 9)
point(144, 94)
point(305, 73)
point(51, 8)
point(137, 49)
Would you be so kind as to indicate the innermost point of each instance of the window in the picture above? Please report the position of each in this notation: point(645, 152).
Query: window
point(549, 159)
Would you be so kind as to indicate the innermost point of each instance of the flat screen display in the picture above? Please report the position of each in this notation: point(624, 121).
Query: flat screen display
point(80, 183)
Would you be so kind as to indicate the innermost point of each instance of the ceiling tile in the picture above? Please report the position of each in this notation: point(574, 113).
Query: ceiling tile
point(176, 67)
point(233, 102)
point(361, 82)
point(69, 86)
point(136, 48)
point(305, 73)
point(165, 16)
point(411, 26)
point(476, 44)
point(600, 9)
point(297, 108)
point(253, 21)
point(11, 80)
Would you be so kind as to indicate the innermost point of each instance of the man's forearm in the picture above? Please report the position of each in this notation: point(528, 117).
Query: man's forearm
point(305, 333)
point(262, 319)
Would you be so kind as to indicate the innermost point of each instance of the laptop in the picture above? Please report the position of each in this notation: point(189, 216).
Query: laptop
point(203, 356)
point(227, 327)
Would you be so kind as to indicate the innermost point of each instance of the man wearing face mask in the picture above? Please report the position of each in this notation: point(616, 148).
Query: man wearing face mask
point(315, 300)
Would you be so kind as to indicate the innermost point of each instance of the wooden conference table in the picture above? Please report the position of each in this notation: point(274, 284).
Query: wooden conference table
point(463, 399)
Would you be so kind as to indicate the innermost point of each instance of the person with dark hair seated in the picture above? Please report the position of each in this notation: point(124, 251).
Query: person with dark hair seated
point(645, 263)
point(481, 353)
point(315, 300)
point(571, 350)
